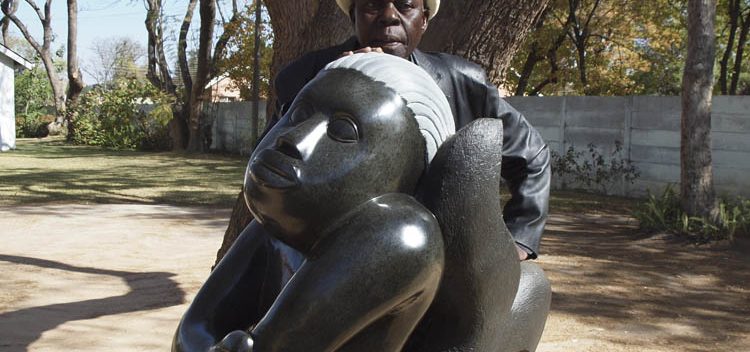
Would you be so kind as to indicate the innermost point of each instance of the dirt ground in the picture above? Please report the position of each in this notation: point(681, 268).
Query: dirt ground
point(118, 278)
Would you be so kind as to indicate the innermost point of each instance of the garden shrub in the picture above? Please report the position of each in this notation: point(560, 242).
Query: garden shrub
point(580, 170)
point(663, 213)
point(131, 114)
point(33, 125)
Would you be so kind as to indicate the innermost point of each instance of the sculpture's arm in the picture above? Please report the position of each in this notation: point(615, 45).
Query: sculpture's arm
point(229, 299)
point(376, 272)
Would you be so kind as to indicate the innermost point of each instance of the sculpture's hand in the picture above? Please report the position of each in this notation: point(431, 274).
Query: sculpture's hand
point(235, 341)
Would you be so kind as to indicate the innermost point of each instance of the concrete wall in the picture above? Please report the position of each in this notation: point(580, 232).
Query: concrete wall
point(7, 104)
point(649, 128)
point(231, 127)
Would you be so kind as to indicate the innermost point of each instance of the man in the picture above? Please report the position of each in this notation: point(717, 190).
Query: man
point(396, 27)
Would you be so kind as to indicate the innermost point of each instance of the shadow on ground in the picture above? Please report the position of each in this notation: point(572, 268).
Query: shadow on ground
point(605, 274)
point(147, 291)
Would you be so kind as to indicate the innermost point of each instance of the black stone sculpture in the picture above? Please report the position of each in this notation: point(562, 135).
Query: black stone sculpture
point(359, 246)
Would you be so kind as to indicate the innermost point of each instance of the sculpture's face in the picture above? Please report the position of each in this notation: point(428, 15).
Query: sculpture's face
point(345, 139)
point(396, 26)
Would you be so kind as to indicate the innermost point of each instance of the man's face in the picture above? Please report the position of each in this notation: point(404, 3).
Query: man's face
point(344, 140)
point(396, 26)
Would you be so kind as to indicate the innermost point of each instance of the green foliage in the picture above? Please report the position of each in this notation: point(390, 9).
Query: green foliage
point(33, 103)
point(237, 63)
point(581, 170)
point(33, 125)
point(628, 47)
point(663, 213)
point(119, 118)
point(33, 94)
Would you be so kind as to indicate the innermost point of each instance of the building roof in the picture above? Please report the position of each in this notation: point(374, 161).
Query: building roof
point(18, 59)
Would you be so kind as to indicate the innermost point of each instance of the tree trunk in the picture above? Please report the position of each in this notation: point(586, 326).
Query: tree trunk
point(75, 81)
point(489, 35)
point(205, 43)
point(696, 177)
point(158, 70)
point(8, 6)
point(737, 70)
point(256, 74)
point(43, 50)
point(733, 9)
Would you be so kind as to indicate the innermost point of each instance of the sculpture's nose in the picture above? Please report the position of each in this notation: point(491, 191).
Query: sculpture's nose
point(300, 141)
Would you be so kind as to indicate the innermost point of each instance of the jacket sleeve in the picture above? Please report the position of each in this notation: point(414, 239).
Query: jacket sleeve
point(526, 170)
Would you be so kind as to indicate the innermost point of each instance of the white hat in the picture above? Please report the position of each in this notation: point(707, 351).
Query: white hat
point(420, 92)
point(432, 5)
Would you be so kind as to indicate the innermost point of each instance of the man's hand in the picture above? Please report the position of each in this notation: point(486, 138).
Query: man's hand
point(522, 255)
point(366, 49)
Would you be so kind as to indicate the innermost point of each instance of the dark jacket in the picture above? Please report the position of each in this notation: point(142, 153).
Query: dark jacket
point(470, 95)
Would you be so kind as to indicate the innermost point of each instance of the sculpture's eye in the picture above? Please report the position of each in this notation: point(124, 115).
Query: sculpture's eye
point(342, 128)
point(299, 113)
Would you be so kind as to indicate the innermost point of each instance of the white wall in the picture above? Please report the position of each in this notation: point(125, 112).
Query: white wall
point(649, 128)
point(231, 126)
point(7, 105)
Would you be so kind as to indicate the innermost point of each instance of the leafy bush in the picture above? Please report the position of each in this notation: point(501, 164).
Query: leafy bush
point(663, 213)
point(33, 125)
point(593, 169)
point(33, 94)
point(119, 118)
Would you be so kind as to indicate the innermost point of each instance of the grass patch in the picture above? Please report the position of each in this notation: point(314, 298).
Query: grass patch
point(51, 171)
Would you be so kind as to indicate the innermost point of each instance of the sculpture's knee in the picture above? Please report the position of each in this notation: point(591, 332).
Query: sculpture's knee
point(530, 309)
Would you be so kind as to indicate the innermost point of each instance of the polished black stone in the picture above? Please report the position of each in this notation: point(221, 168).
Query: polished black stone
point(357, 247)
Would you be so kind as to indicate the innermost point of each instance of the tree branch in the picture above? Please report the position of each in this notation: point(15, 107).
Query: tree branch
point(36, 9)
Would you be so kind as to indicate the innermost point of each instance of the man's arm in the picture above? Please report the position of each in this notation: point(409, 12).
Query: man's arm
point(526, 169)
point(525, 155)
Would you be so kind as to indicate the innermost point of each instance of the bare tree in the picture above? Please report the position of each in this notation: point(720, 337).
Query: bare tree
point(696, 178)
point(738, 12)
point(115, 58)
point(44, 49)
point(490, 35)
point(7, 7)
point(187, 125)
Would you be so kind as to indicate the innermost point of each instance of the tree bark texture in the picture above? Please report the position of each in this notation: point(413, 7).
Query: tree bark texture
point(207, 10)
point(696, 177)
point(489, 34)
point(158, 69)
point(75, 81)
point(8, 6)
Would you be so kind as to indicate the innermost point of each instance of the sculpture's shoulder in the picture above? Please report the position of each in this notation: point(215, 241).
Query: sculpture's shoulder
point(395, 222)
point(402, 210)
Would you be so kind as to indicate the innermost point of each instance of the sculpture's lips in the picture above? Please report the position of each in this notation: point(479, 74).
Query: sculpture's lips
point(274, 169)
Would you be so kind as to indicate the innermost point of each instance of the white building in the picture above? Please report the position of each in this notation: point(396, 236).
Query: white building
point(9, 61)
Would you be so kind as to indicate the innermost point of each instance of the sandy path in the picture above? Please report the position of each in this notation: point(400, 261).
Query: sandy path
point(117, 278)
point(101, 277)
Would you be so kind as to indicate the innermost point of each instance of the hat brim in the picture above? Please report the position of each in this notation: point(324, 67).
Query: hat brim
point(433, 5)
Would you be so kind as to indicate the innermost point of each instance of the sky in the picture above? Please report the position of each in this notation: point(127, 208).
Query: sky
point(98, 20)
